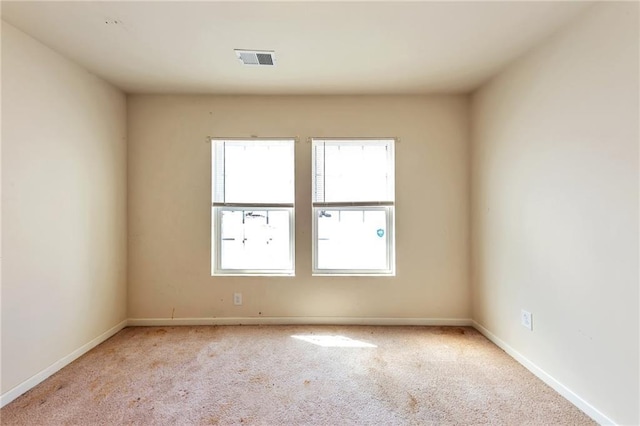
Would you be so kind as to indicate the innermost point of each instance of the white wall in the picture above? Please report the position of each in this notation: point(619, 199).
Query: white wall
point(170, 198)
point(555, 208)
point(64, 207)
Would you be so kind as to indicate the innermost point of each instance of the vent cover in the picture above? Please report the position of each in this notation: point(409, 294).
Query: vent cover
point(256, 57)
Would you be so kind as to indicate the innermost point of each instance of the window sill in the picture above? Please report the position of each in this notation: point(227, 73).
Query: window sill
point(260, 275)
point(355, 274)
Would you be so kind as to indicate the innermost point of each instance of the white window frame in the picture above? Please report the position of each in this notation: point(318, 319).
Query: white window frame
point(216, 219)
point(387, 206)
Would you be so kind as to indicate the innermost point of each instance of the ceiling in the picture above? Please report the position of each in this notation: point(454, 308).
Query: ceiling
point(360, 47)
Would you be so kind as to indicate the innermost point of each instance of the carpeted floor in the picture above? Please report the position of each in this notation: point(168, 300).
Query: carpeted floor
point(325, 375)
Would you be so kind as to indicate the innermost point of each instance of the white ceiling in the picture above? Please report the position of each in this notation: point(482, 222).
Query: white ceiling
point(361, 47)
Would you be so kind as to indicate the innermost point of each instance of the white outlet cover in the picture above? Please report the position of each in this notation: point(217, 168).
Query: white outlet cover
point(237, 298)
point(526, 318)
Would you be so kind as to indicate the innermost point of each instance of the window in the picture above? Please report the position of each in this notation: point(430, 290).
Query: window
point(353, 206)
point(252, 211)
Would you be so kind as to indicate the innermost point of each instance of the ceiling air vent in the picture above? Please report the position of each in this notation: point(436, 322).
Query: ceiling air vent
point(256, 57)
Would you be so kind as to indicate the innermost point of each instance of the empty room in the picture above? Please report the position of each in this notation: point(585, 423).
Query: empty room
point(320, 213)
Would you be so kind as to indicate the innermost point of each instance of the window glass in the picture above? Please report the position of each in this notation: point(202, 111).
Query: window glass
point(352, 239)
point(255, 239)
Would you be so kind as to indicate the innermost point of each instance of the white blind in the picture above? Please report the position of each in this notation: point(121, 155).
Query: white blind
point(359, 171)
point(253, 171)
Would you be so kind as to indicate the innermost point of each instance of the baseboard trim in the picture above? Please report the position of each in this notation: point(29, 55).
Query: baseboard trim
point(12, 394)
point(576, 400)
point(167, 322)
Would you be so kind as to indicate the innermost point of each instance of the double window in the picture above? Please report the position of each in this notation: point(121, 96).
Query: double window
point(253, 207)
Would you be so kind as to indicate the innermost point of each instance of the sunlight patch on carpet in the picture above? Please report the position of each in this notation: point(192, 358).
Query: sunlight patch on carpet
point(328, 341)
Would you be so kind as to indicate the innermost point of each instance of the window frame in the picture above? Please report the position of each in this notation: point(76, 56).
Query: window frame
point(387, 206)
point(218, 207)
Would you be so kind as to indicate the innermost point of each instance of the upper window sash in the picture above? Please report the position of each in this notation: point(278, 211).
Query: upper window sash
point(353, 171)
point(253, 172)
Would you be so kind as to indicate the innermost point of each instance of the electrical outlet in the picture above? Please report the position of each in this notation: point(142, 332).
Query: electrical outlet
point(527, 319)
point(237, 298)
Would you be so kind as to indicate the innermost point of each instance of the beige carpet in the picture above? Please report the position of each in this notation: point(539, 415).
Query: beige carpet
point(326, 375)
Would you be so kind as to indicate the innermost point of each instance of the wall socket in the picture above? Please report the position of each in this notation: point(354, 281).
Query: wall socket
point(526, 318)
point(237, 298)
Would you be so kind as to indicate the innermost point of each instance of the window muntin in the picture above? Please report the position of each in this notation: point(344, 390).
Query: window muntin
point(353, 206)
point(252, 209)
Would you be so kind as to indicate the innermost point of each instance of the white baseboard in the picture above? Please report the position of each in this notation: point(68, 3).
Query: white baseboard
point(166, 322)
point(588, 409)
point(12, 394)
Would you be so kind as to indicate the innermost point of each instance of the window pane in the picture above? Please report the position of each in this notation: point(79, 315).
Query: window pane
point(255, 239)
point(352, 239)
point(258, 172)
point(352, 171)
